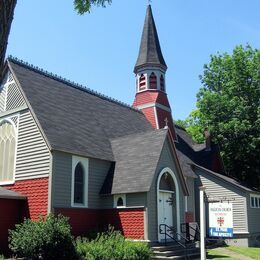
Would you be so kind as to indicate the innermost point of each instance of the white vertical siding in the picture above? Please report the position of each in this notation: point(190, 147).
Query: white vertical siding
point(33, 156)
point(14, 97)
point(10, 94)
point(3, 89)
point(217, 189)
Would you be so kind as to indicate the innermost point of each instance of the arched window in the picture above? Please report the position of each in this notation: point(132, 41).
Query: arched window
point(7, 151)
point(79, 184)
point(166, 182)
point(142, 83)
point(153, 81)
point(162, 85)
point(120, 202)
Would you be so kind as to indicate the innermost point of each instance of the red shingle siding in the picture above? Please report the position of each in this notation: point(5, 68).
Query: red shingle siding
point(162, 114)
point(36, 191)
point(129, 221)
point(12, 212)
point(151, 97)
point(150, 116)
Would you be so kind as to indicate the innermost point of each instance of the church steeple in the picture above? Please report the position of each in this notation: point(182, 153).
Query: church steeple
point(150, 69)
point(150, 53)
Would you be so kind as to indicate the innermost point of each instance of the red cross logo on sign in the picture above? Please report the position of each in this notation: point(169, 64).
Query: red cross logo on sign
point(220, 221)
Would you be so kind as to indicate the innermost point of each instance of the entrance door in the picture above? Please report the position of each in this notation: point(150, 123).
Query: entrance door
point(165, 209)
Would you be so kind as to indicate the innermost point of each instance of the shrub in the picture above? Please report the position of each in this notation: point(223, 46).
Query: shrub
point(112, 245)
point(48, 238)
point(2, 257)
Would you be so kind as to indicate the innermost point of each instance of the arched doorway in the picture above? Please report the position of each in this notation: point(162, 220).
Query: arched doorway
point(168, 201)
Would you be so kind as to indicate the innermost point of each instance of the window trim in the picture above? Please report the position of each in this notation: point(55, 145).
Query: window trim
point(153, 80)
point(142, 80)
point(9, 120)
point(252, 201)
point(85, 164)
point(116, 197)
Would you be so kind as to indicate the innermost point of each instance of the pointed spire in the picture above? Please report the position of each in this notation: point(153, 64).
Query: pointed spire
point(150, 53)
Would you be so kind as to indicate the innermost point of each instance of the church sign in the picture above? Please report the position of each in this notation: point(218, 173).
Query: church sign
point(220, 220)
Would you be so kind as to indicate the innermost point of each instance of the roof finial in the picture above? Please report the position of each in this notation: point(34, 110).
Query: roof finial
point(149, 2)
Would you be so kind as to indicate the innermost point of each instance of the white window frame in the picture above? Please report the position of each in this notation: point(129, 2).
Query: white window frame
point(255, 197)
point(85, 164)
point(9, 120)
point(116, 197)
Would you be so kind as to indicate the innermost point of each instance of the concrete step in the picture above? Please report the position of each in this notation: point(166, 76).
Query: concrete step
point(172, 247)
point(176, 251)
point(190, 256)
point(179, 252)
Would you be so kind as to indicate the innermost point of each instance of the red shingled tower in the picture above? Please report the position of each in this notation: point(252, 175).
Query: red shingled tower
point(150, 69)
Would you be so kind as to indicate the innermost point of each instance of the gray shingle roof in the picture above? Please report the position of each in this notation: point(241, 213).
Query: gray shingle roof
point(8, 194)
point(75, 119)
point(150, 51)
point(136, 159)
point(227, 179)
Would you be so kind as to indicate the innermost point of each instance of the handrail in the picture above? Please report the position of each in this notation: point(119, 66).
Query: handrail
point(196, 229)
point(166, 234)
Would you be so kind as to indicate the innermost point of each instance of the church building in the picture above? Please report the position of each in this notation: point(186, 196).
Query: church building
point(67, 149)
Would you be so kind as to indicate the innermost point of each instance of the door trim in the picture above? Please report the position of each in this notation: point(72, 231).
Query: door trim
point(177, 192)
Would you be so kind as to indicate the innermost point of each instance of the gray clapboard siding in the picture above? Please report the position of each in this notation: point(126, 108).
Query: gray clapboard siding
point(218, 189)
point(33, 155)
point(136, 199)
point(191, 197)
point(166, 160)
point(253, 217)
point(98, 170)
point(62, 181)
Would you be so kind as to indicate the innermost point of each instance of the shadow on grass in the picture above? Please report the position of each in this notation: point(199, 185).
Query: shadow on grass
point(217, 256)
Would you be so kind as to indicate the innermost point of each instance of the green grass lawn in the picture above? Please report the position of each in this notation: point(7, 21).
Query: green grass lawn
point(248, 251)
point(218, 253)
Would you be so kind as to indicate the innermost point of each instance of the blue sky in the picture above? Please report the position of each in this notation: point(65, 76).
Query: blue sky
point(99, 49)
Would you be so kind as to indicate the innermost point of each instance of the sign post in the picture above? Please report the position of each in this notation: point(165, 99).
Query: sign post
point(202, 224)
point(220, 219)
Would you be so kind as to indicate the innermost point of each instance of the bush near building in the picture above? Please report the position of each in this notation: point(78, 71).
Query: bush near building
point(48, 238)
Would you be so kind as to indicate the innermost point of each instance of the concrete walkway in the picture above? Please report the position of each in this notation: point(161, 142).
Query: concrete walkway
point(231, 254)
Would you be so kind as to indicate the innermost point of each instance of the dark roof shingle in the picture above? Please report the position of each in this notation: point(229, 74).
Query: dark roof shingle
point(9, 194)
point(74, 119)
point(136, 157)
point(150, 51)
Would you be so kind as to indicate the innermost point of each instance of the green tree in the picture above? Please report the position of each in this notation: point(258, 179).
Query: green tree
point(84, 6)
point(228, 104)
point(194, 125)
